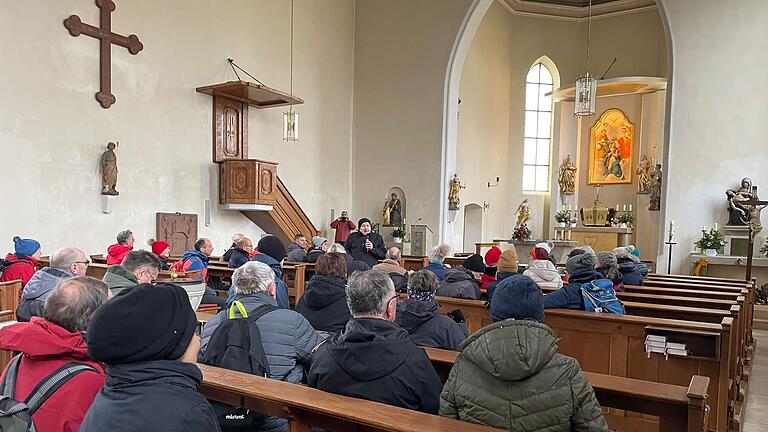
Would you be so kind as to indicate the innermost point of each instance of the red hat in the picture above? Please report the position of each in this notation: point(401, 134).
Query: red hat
point(492, 256)
point(159, 246)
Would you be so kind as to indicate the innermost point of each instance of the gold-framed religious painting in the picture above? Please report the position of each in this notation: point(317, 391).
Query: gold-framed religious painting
point(611, 142)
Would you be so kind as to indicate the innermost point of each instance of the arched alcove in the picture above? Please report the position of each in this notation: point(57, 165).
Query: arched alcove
point(400, 193)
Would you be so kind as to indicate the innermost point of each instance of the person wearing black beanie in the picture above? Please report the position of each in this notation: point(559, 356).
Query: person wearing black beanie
point(272, 246)
point(365, 245)
point(146, 337)
point(270, 251)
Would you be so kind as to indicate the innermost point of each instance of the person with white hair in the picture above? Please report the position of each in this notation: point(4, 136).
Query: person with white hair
point(65, 263)
point(286, 336)
point(436, 257)
point(237, 238)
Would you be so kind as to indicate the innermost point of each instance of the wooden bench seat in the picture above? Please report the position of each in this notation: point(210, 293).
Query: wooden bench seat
point(679, 408)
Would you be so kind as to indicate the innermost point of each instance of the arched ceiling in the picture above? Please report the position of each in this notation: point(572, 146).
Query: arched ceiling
point(576, 9)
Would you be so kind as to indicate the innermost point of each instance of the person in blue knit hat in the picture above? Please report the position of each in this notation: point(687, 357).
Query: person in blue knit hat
point(509, 375)
point(23, 263)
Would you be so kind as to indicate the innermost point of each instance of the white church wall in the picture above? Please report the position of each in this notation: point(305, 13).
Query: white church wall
point(718, 107)
point(52, 130)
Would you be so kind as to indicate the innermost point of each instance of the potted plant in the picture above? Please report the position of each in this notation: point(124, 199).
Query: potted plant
point(398, 233)
point(562, 218)
point(710, 242)
point(626, 220)
point(574, 220)
point(521, 234)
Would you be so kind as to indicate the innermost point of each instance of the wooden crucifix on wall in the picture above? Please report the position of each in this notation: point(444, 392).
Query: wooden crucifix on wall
point(106, 38)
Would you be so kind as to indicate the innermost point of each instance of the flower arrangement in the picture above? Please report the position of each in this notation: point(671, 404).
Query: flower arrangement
point(710, 240)
point(522, 233)
point(627, 218)
point(399, 232)
point(563, 216)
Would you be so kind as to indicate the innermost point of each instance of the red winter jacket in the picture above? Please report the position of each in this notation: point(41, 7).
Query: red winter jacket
point(116, 253)
point(22, 271)
point(47, 347)
point(343, 228)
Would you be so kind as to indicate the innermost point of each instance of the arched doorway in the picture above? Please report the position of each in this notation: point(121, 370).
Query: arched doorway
point(473, 226)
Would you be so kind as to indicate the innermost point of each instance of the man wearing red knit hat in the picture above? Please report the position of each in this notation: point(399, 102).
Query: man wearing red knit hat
point(491, 261)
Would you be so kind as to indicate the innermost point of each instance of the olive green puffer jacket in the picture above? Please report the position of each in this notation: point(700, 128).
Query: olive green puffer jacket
point(510, 376)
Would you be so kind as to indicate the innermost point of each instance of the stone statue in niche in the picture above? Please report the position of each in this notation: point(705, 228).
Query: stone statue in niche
point(523, 213)
point(643, 172)
point(567, 177)
point(656, 178)
point(395, 210)
point(739, 213)
point(453, 192)
point(108, 164)
point(385, 214)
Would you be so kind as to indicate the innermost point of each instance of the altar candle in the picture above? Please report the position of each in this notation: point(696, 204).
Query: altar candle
point(625, 207)
point(630, 207)
point(617, 207)
point(715, 226)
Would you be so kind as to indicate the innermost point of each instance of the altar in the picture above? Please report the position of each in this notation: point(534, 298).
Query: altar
point(598, 238)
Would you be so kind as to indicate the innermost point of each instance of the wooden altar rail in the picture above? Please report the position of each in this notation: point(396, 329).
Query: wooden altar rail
point(679, 408)
point(614, 345)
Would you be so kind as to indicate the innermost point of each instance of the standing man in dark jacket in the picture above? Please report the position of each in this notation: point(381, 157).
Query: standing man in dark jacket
point(146, 337)
point(324, 302)
point(372, 358)
point(343, 227)
point(420, 316)
point(580, 269)
point(365, 245)
point(66, 262)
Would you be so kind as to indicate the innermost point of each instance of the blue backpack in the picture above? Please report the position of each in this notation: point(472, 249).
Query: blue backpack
point(599, 296)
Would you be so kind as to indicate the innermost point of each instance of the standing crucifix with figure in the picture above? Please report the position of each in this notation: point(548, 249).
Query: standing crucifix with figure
point(106, 38)
point(754, 206)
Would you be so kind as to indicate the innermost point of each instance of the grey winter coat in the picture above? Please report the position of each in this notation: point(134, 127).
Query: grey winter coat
point(296, 253)
point(37, 291)
point(288, 341)
point(509, 376)
point(460, 284)
point(427, 328)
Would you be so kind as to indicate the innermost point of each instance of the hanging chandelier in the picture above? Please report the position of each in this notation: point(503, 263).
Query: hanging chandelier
point(586, 85)
point(290, 117)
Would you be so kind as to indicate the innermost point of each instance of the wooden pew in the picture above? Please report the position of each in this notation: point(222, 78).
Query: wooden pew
point(679, 408)
point(305, 407)
point(621, 352)
point(7, 316)
point(698, 279)
point(10, 295)
point(413, 262)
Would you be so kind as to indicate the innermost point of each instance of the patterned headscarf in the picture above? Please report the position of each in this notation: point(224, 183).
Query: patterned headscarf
point(421, 295)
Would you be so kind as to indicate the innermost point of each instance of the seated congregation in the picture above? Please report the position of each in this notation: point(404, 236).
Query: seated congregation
point(357, 330)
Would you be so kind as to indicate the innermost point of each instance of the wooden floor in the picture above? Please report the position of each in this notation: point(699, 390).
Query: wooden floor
point(756, 415)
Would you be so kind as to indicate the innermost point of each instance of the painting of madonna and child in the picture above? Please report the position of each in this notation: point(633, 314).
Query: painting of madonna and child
point(610, 149)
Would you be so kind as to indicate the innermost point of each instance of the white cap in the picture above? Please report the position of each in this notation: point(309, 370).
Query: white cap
point(545, 246)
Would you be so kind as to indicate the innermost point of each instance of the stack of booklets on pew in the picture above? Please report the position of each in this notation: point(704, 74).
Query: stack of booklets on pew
point(659, 344)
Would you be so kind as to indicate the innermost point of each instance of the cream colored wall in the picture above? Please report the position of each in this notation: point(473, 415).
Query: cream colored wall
point(491, 123)
point(401, 55)
point(717, 110)
point(52, 130)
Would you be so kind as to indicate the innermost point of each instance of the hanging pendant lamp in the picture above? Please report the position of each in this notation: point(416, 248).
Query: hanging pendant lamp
point(586, 85)
point(290, 117)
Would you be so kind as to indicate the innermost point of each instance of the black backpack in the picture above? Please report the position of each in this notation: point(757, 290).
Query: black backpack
point(236, 345)
point(16, 416)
